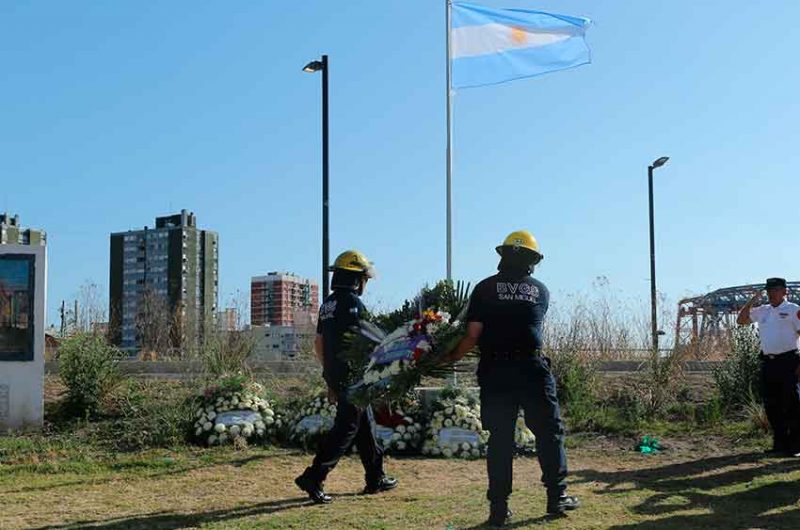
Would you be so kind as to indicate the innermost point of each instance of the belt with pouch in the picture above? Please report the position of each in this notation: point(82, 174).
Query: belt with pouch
point(512, 355)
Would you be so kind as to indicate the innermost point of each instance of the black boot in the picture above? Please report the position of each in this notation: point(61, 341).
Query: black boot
point(562, 503)
point(384, 484)
point(313, 488)
point(499, 514)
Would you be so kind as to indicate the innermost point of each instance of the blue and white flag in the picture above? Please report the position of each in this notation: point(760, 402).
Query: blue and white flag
point(489, 46)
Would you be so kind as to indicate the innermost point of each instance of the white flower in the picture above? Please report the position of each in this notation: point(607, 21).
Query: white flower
point(259, 425)
point(448, 410)
point(448, 422)
point(260, 432)
point(199, 413)
point(219, 428)
point(436, 451)
point(401, 445)
point(223, 438)
point(475, 453)
point(401, 429)
point(199, 431)
point(396, 436)
point(269, 420)
point(234, 430)
point(247, 432)
point(207, 426)
point(407, 436)
point(447, 453)
point(211, 415)
point(465, 446)
point(212, 439)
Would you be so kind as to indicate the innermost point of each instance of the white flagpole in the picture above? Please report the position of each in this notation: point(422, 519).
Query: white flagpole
point(449, 154)
point(454, 376)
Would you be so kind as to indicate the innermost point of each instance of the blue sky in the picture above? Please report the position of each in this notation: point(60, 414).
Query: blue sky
point(116, 112)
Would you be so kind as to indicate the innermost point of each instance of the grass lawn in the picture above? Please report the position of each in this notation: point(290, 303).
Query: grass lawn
point(699, 482)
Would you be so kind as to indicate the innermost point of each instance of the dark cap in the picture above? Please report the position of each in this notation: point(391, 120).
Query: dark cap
point(774, 283)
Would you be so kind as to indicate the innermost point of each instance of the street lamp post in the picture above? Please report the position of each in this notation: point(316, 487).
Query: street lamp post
point(316, 66)
point(653, 322)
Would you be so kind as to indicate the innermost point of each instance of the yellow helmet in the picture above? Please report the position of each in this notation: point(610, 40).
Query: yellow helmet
point(520, 239)
point(354, 261)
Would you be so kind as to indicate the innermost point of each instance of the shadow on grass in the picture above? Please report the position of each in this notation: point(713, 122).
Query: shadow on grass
point(522, 523)
point(173, 521)
point(122, 468)
point(694, 486)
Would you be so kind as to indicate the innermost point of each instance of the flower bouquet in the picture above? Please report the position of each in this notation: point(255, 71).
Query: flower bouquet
point(399, 428)
point(400, 361)
point(417, 348)
point(234, 410)
point(455, 429)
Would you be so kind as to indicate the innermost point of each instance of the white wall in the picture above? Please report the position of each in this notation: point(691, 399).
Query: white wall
point(22, 382)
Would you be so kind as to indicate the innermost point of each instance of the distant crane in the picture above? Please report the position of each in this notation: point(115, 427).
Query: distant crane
point(707, 320)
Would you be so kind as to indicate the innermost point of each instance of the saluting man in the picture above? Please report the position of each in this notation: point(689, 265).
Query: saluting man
point(339, 314)
point(505, 317)
point(778, 327)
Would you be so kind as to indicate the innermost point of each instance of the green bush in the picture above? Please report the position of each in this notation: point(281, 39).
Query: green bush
point(662, 381)
point(147, 414)
point(576, 379)
point(738, 378)
point(226, 352)
point(88, 367)
point(711, 412)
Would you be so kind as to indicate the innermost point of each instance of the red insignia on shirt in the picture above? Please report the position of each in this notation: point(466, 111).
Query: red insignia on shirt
point(798, 315)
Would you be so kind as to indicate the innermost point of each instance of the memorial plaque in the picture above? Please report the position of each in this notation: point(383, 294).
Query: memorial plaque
point(237, 417)
point(384, 434)
point(315, 423)
point(456, 436)
point(16, 307)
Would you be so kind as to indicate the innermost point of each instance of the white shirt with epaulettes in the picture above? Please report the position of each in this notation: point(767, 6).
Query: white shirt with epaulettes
point(777, 326)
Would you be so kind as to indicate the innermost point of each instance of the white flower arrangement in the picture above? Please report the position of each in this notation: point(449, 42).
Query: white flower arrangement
point(400, 428)
point(236, 412)
point(455, 429)
point(524, 440)
point(376, 373)
point(312, 421)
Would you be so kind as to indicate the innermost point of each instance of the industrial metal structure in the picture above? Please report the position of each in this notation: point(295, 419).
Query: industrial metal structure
point(704, 322)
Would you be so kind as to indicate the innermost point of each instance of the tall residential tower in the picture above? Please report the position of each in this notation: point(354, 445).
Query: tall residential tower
point(174, 263)
point(282, 299)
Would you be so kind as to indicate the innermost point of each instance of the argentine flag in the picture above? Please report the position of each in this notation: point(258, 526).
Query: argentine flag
point(489, 46)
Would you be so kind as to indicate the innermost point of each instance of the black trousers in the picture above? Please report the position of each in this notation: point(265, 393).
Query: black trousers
point(782, 399)
point(352, 424)
point(507, 386)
